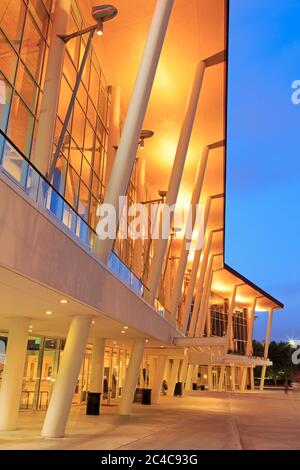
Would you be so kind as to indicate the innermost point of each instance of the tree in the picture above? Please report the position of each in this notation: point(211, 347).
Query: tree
point(281, 356)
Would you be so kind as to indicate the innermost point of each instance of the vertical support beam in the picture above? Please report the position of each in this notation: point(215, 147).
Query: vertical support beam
point(186, 240)
point(262, 378)
point(189, 377)
point(232, 372)
point(113, 130)
point(230, 320)
point(221, 381)
point(250, 325)
point(97, 367)
point(268, 335)
point(173, 377)
point(11, 387)
point(244, 378)
point(159, 375)
point(252, 384)
point(204, 299)
point(61, 400)
point(209, 378)
point(44, 142)
point(176, 175)
point(126, 154)
point(200, 283)
point(183, 373)
point(132, 375)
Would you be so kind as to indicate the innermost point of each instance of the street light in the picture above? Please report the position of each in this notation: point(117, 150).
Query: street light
point(101, 14)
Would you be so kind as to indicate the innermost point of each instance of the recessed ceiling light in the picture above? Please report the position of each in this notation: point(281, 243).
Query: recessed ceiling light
point(48, 312)
point(147, 340)
point(30, 327)
point(93, 322)
point(115, 342)
point(123, 332)
point(125, 327)
point(63, 301)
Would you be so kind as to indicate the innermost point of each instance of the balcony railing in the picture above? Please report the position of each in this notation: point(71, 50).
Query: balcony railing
point(19, 169)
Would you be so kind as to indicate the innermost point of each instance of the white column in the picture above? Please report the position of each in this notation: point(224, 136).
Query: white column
point(126, 154)
point(132, 375)
point(186, 240)
point(252, 378)
point(250, 327)
point(97, 367)
point(183, 371)
point(44, 141)
point(61, 400)
point(200, 283)
point(262, 378)
point(232, 372)
point(244, 378)
point(159, 375)
point(11, 387)
point(268, 335)
point(204, 299)
point(176, 175)
point(173, 377)
point(230, 319)
point(221, 381)
point(113, 130)
point(209, 378)
point(190, 372)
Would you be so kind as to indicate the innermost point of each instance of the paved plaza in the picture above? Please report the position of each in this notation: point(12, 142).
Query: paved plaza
point(198, 421)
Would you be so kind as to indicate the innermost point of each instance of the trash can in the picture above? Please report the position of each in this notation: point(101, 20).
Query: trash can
point(93, 404)
point(195, 386)
point(146, 396)
point(138, 396)
point(178, 390)
point(202, 388)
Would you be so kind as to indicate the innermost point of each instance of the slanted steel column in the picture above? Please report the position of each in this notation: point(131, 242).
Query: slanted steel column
point(126, 153)
point(195, 269)
point(230, 318)
point(132, 376)
point(176, 175)
point(268, 335)
point(207, 284)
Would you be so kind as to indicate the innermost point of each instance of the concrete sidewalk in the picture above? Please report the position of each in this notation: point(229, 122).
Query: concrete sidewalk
point(201, 420)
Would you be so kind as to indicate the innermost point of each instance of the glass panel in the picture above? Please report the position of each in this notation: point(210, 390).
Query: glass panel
point(94, 85)
point(8, 59)
point(73, 46)
point(89, 142)
point(14, 164)
point(72, 185)
point(26, 87)
point(5, 99)
point(78, 125)
point(20, 127)
point(86, 172)
point(64, 100)
point(75, 157)
point(31, 373)
point(12, 14)
point(33, 46)
point(83, 204)
point(40, 15)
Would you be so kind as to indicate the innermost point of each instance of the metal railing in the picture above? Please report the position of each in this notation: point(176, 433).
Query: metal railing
point(18, 168)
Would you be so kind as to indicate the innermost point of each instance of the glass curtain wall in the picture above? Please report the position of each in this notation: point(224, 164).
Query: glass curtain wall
point(24, 36)
point(80, 169)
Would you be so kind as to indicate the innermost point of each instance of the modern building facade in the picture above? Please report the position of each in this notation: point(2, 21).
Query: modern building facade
point(81, 314)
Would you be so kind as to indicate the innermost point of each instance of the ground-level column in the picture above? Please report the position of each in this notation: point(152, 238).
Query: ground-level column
point(183, 374)
point(244, 378)
point(61, 400)
point(173, 377)
point(126, 153)
point(11, 388)
point(97, 368)
point(262, 378)
point(44, 141)
point(189, 377)
point(222, 375)
point(209, 379)
point(159, 375)
point(232, 372)
point(252, 378)
point(132, 375)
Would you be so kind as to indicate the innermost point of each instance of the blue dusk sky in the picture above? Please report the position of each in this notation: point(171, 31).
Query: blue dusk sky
point(263, 161)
